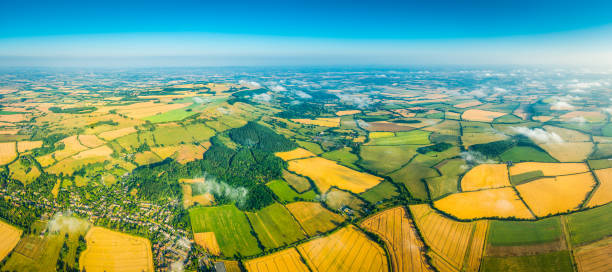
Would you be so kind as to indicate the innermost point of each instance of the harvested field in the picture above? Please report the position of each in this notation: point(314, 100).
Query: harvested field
point(603, 192)
point(24, 146)
point(189, 152)
point(481, 115)
point(114, 134)
point(485, 176)
point(467, 104)
point(490, 203)
point(358, 254)
point(549, 169)
point(208, 241)
point(578, 116)
point(285, 260)
point(13, 118)
point(568, 135)
point(115, 251)
point(165, 151)
point(71, 146)
point(568, 151)
point(398, 232)
point(548, 196)
point(321, 121)
point(594, 257)
point(189, 199)
point(326, 173)
point(102, 151)
point(313, 218)
point(9, 236)
point(299, 183)
point(470, 139)
point(145, 158)
point(297, 153)
point(477, 246)
point(337, 199)
point(448, 238)
point(8, 152)
point(90, 141)
point(447, 127)
point(347, 112)
point(145, 109)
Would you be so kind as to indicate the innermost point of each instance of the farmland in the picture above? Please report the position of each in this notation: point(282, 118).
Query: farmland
point(286, 260)
point(109, 250)
point(9, 236)
point(314, 218)
point(275, 227)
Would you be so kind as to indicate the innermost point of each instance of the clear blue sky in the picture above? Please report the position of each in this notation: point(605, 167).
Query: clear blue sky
point(294, 29)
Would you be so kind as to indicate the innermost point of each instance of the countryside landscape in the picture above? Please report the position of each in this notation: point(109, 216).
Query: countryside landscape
point(305, 170)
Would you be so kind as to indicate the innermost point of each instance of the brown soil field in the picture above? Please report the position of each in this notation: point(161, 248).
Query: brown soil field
point(8, 152)
point(313, 218)
point(500, 202)
point(115, 251)
point(345, 250)
point(114, 134)
point(285, 260)
point(603, 192)
point(90, 141)
point(208, 241)
point(9, 237)
point(297, 153)
point(481, 115)
point(596, 257)
point(548, 196)
point(398, 232)
point(326, 173)
point(485, 176)
point(24, 146)
point(549, 169)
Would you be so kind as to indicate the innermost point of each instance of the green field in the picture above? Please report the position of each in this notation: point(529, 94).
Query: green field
point(286, 194)
point(525, 177)
point(343, 156)
point(600, 164)
point(200, 132)
point(602, 151)
point(312, 147)
point(554, 262)
point(382, 191)
point(299, 183)
point(384, 159)
point(447, 183)
point(173, 115)
point(414, 137)
point(172, 135)
point(516, 233)
point(231, 228)
point(525, 153)
point(607, 130)
point(275, 227)
point(590, 225)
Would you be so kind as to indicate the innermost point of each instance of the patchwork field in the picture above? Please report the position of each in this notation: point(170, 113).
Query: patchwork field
point(286, 194)
point(297, 153)
point(590, 225)
point(324, 122)
point(285, 260)
point(415, 137)
point(115, 251)
point(9, 236)
point(8, 152)
point(275, 227)
point(358, 253)
point(208, 241)
point(594, 257)
point(491, 203)
point(485, 176)
point(603, 192)
point(313, 218)
point(480, 115)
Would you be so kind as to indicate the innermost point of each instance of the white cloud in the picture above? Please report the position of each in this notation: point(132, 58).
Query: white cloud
point(538, 135)
point(264, 97)
point(473, 158)
point(250, 84)
point(278, 88)
point(357, 100)
point(561, 105)
point(303, 95)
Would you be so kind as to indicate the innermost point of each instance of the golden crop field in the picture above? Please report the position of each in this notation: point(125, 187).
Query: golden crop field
point(568, 151)
point(549, 169)
point(321, 121)
point(71, 147)
point(45, 160)
point(8, 152)
point(297, 153)
point(208, 241)
point(380, 134)
point(347, 112)
point(499, 202)
point(313, 217)
point(9, 237)
point(109, 250)
point(467, 104)
point(25, 146)
point(12, 118)
point(189, 152)
point(477, 246)
point(102, 151)
point(23, 173)
point(285, 260)
point(114, 134)
point(603, 192)
point(396, 229)
point(326, 173)
point(547, 196)
point(90, 141)
point(450, 239)
point(146, 157)
point(485, 176)
point(481, 115)
point(165, 151)
point(595, 257)
point(144, 109)
point(345, 250)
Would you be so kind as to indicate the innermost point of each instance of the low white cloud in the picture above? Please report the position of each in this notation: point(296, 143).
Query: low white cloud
point(250, 84)
point(218, 188)
point(278, 88)
point(357, 100)
point(473, 158)
point(538, 135)
point(578, 91)
point(264, 97)
point(302, 95)
point(561, 105)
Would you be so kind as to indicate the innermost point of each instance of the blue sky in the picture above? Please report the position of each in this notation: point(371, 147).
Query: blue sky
point(309, 32)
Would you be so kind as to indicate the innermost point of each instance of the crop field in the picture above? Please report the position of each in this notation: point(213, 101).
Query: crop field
point(447, 182)
point(559, 261)
point(22, 173)
point(298, 153)
point(398, 232)
point(171, 135)
point(299, 183)
point(286, 194)
point(547, 196)
point(275, 227)
point(517, 233)
point(480, 115)
point(603, 192)
point(470, 139)
point(477, 246)
point(9, 237)
point(285, 260)
point(594, 257)
point(114, 134)
point(208, 241)
point(115, 251)
point(189, 152)
point(189, 199)
point(447, 127)
point(467, 104)
point(231, 228)
point(72, 146)
point(490, 203)
point(24, 146)
point(485, 176)
point(383, 191)
point(8, 152)
point(380, 134)
point(525, 153)
point(384, 159)
point(314, 218)
point(347, 112)
point(342, 156)
point(385, 126)
point(321, 121)
point(326, 173)
point(590, 225)
point(358, 254)
point(448, 238)
point(145, 158)
point(590, 116)
point(166, 151)
point(568, 151)
point(414, 137)
point(90, 141)
point(146, 109)
point(337, 199)
point(549, 169)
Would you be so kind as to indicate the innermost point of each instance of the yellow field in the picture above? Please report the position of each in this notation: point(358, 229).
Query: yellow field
point(467, 104)
point(450, 239)
point(9, 131)
point(591, 116)
point(345, 250)
point(326, 173)
point(549, 169)
point(561, 194)
point(481, 115)
point(297, 153)
point(380, 134)
point(396, 229)
point(45, 160)
point(90, 141)
point(24, 146)
point(189, 200)
point(109, 250)
point(165, 151)
point(313, 217)
point(12, 118)
point(568, 151)
point(347, 112)
point(144, 109)
point(542, 118)
point(146, 157)
point(485, 176)
point(595, 257)
point(102, 151)
point(500, 202)
point(208, 241)
point(477, 246)
point(603, 193)
point(71, 147)
point(568, 135)
point(285, 260)
point(9, 237)
point(8, 152)
point(114, 134)
point(22, 173)
point(321, 121)
point(189, 152)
